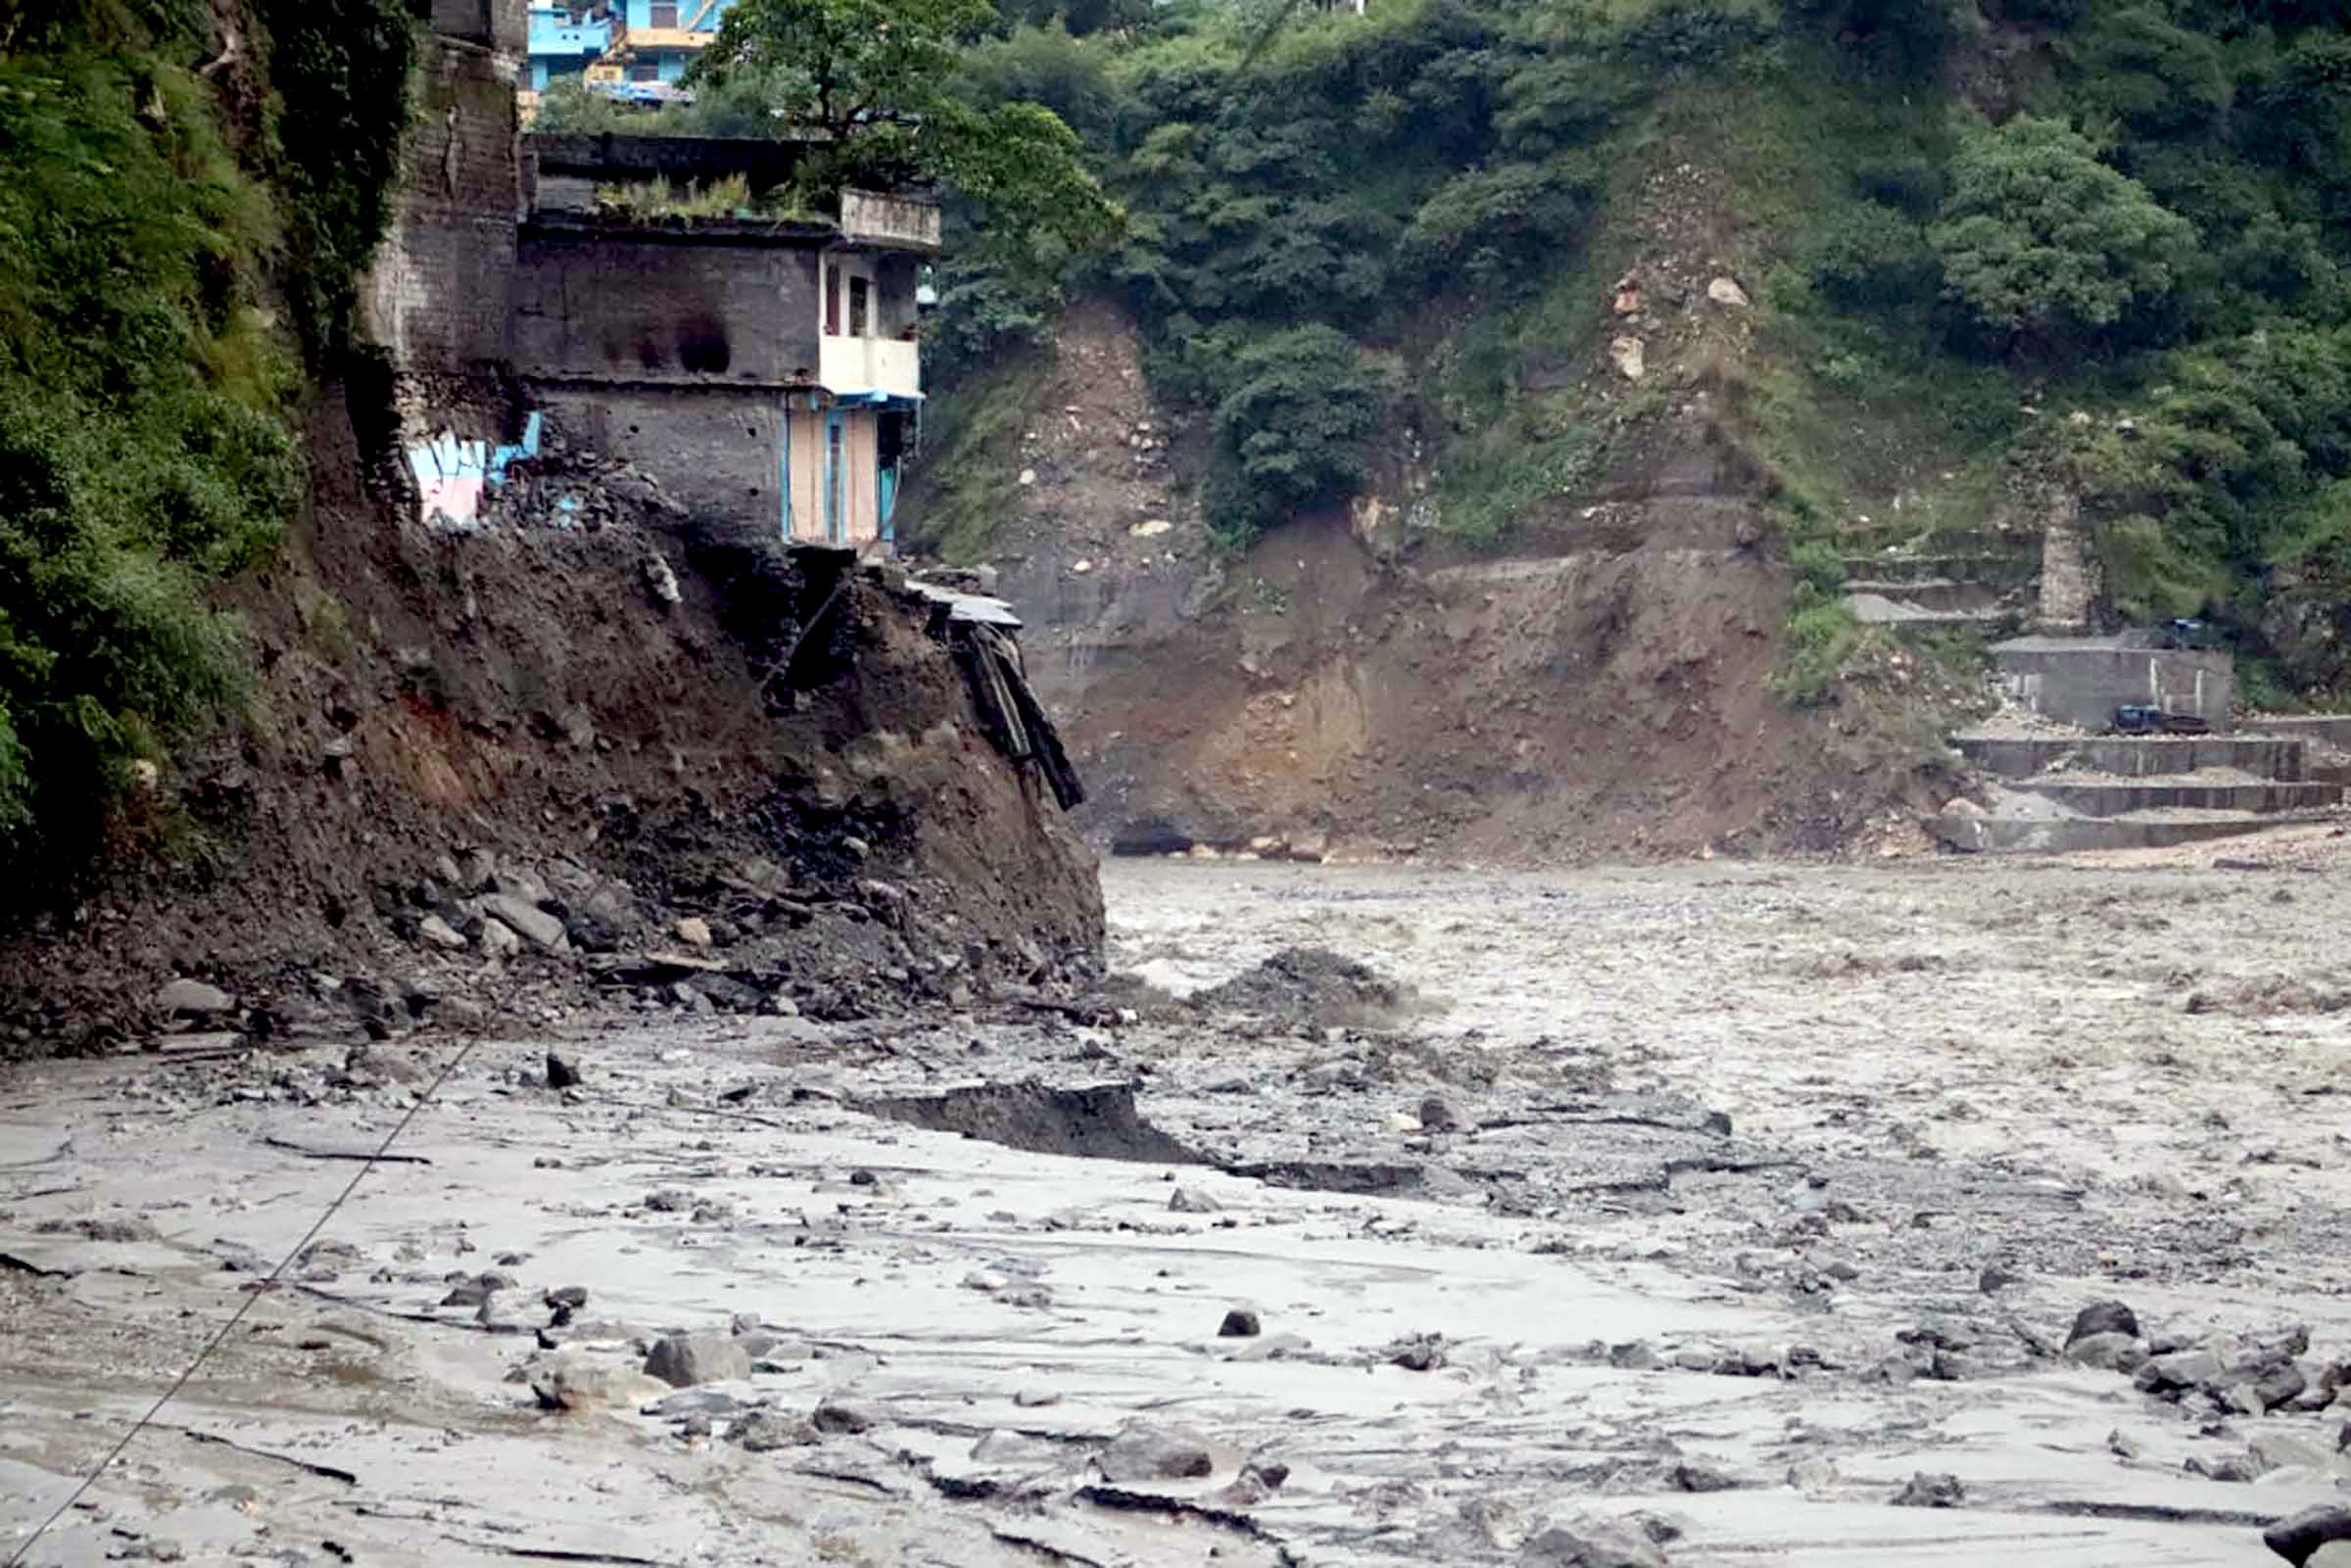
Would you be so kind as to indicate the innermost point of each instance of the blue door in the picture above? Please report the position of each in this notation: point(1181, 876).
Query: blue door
point(837, 479)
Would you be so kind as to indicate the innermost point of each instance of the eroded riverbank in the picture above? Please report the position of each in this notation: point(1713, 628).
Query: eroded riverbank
point(1696, 1235)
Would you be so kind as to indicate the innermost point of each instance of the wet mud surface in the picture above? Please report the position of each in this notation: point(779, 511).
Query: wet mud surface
point(1724, 1204)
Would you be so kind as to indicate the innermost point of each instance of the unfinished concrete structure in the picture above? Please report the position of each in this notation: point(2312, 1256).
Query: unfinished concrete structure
point(2081, 679)
point(2090, 789)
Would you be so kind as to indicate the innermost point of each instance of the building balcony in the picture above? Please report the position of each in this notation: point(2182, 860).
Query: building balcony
point(891, 222)
point(661, 41)
point(863, 367)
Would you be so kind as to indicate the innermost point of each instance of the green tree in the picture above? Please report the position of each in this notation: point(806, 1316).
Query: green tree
point(1294, 431)
point(1081, 17)
point(872, 82)
point(2044, 243)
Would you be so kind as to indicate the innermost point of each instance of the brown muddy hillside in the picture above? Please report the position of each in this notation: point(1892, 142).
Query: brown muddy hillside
point(1598, 683)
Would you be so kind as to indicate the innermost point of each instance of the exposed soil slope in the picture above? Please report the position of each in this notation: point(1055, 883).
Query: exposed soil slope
point(1596, 685)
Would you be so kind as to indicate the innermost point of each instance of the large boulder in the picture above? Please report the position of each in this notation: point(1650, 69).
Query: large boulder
point(527, 921)
point(683, 1360)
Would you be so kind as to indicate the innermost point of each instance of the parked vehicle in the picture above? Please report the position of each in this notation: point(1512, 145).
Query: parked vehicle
point(2138, 717)
point(2188, 633)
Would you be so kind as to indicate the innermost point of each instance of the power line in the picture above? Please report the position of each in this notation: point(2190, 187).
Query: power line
point(457, 1058)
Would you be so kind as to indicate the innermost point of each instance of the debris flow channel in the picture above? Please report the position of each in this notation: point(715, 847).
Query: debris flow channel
point(1369, 1216)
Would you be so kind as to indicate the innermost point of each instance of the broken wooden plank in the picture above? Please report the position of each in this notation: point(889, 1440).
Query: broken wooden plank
point(308, 1153)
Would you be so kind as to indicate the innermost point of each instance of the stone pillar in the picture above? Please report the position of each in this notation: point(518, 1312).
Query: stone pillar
point(2068, 578)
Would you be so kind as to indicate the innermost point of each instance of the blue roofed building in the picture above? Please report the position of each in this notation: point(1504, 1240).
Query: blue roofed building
point(659, 38)
point(566, 42)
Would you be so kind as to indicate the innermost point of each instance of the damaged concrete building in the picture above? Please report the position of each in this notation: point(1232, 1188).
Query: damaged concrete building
point(762, 376)
point(767, 369)
point(772, 365)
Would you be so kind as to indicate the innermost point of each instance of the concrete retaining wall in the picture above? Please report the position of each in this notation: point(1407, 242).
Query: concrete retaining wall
point(2330, 728)
point(2134, 756)
point(2115, 799)
point(2069, 834)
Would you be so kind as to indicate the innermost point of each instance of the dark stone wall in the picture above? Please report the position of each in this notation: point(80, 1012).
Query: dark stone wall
point(502, 25)
point(602, 303)
point(439, 295)
point(717, 451)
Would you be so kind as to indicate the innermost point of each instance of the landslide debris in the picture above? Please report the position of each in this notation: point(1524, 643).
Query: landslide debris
point(503, 771)
point(1314, 989)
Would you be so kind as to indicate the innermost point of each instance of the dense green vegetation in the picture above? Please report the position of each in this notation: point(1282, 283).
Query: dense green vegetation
point(153, 214)
point(2098, 241)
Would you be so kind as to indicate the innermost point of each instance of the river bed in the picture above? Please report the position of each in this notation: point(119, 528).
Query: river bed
point(1714, 1202)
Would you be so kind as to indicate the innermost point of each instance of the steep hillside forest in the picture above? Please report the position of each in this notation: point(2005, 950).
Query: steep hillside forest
point(1995, 249)
point(188, 195)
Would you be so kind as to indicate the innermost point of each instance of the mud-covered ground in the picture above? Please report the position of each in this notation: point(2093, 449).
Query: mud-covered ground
point(1713, 1205)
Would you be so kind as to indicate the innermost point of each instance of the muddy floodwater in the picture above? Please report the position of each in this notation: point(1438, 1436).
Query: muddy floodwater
point(1713, 1215)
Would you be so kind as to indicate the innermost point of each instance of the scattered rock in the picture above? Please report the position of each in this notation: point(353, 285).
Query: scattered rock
point(685, 1360)
point(2103, 1317)
point(694, 932)
point(499, 940)
point(1311, 989)
point(1994, 1278)
point(2298, 1539)
point(1811, 1475)
point(2276, 1450)
point(2170, 1376)
point(1240, 1323)
point(2111, 1353)
point(574, 1382)
point(1437, 1115)
point(1630, 355)
point(841, 1418)
point(1416, 1352)
point(525, 920)
point(1923, 1491)
point(1687, 1477)
point(194, 999)
point(764, 1429)
point(130, 1228)
point(2237, 1467)
point(1192, 1201)
point(1586, 1542)
point(1726, 291)
point(561, 1074)
point(470, 1292)
point(441, 933)
point(1148, 1453)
